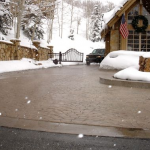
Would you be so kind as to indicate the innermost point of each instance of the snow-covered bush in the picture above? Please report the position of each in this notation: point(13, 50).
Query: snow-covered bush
point(71, 36)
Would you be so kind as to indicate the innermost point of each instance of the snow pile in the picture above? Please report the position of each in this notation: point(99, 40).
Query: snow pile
point(129, 61)
point(24, 64)
point(132, 73)
point(121, 59)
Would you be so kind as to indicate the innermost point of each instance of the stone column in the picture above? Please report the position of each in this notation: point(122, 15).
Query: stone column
point(51, 50)
point(15, 51)
point(37, 53)
point(36, 44)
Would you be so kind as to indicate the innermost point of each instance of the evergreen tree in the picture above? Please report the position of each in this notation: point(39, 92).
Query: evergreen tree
point(5, 17)
point(95, 24)
point(32, 21)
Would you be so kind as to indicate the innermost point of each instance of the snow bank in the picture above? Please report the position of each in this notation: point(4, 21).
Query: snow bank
point(121, 59)
point(24, 64)
point(129, 61)
point(132, 73)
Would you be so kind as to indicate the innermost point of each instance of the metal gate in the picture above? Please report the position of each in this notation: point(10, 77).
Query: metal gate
point(71, 55)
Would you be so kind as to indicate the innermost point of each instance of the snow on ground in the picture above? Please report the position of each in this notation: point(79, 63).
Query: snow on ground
point(129, 62)
point(24, 64)
point(60, 44)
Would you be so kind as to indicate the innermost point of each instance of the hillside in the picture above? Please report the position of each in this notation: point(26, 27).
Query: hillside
point(62, 44)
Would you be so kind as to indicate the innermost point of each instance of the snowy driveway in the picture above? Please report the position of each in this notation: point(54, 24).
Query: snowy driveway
point(72, 94)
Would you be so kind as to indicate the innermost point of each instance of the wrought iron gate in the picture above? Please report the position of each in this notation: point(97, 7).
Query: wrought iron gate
point(71, 55)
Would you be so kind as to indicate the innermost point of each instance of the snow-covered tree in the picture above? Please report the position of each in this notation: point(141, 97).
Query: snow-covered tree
point(95, 24)
point(5, 17)
point(32, 21)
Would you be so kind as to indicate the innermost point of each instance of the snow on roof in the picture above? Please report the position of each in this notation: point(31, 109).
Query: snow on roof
point(109, 15)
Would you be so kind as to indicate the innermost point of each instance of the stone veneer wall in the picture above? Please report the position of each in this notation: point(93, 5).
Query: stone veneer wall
point(14, 51)
point(144, 64)
point(114, 40)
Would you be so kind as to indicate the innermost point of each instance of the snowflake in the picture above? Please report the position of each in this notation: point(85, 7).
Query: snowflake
point(80, 136)
point(110, 86)
point(28, 102)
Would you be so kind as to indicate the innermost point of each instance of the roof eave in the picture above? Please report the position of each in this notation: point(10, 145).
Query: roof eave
point(118, 14)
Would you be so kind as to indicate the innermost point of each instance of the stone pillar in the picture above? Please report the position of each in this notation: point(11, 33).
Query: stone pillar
point(51, 50)
point(15, 53)
point(36, 44)
point(114, 40)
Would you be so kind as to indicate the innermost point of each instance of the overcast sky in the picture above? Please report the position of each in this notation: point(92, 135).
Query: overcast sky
point(113, 1)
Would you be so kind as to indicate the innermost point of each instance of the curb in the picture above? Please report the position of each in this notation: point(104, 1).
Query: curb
point(74, 128)
point(107, 78)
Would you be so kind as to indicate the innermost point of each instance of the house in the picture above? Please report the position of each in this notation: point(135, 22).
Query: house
point(137, 16)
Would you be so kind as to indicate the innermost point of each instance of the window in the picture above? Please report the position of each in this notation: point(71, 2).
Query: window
point(138, 41)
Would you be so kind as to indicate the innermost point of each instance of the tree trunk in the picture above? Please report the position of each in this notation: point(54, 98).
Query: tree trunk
point(34, 28)
point(20, 11)
point(72, 7)
point(62, 15)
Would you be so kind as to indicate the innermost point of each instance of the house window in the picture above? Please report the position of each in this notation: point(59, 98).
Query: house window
point(134, 12)
point(138, 41)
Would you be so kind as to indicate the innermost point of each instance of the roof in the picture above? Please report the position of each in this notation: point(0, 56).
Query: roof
point(114, 15)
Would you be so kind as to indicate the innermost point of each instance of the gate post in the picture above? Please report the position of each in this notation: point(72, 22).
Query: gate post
point(60, 57)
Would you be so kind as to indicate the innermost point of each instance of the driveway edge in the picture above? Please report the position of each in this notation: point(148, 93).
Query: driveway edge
point(74, 128)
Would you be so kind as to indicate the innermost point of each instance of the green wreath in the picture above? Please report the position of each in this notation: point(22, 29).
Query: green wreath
point(135, 23)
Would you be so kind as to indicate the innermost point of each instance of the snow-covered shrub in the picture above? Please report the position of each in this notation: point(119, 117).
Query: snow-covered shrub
point(71, 36)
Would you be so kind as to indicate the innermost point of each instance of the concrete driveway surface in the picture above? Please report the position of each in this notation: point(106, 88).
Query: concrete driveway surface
point(72, 95)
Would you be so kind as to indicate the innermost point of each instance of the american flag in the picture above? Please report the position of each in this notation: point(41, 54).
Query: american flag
point(123, 28)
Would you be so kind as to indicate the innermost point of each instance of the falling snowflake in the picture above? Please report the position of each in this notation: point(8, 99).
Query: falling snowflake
point(114, 144)
point(80, 136)
point(110, 86)
point(16, 109)
point(40, 117)
point(139, 112)
point(26, 97)
point(28, 102)
point(0, 113)
point(122, 120)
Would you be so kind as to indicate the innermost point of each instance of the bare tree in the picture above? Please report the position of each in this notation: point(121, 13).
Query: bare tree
point(62, 17)
point(72, 8)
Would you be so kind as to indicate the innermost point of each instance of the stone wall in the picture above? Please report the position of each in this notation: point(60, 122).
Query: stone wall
point(14, 51)
point(114, 40)
point(144, 64)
